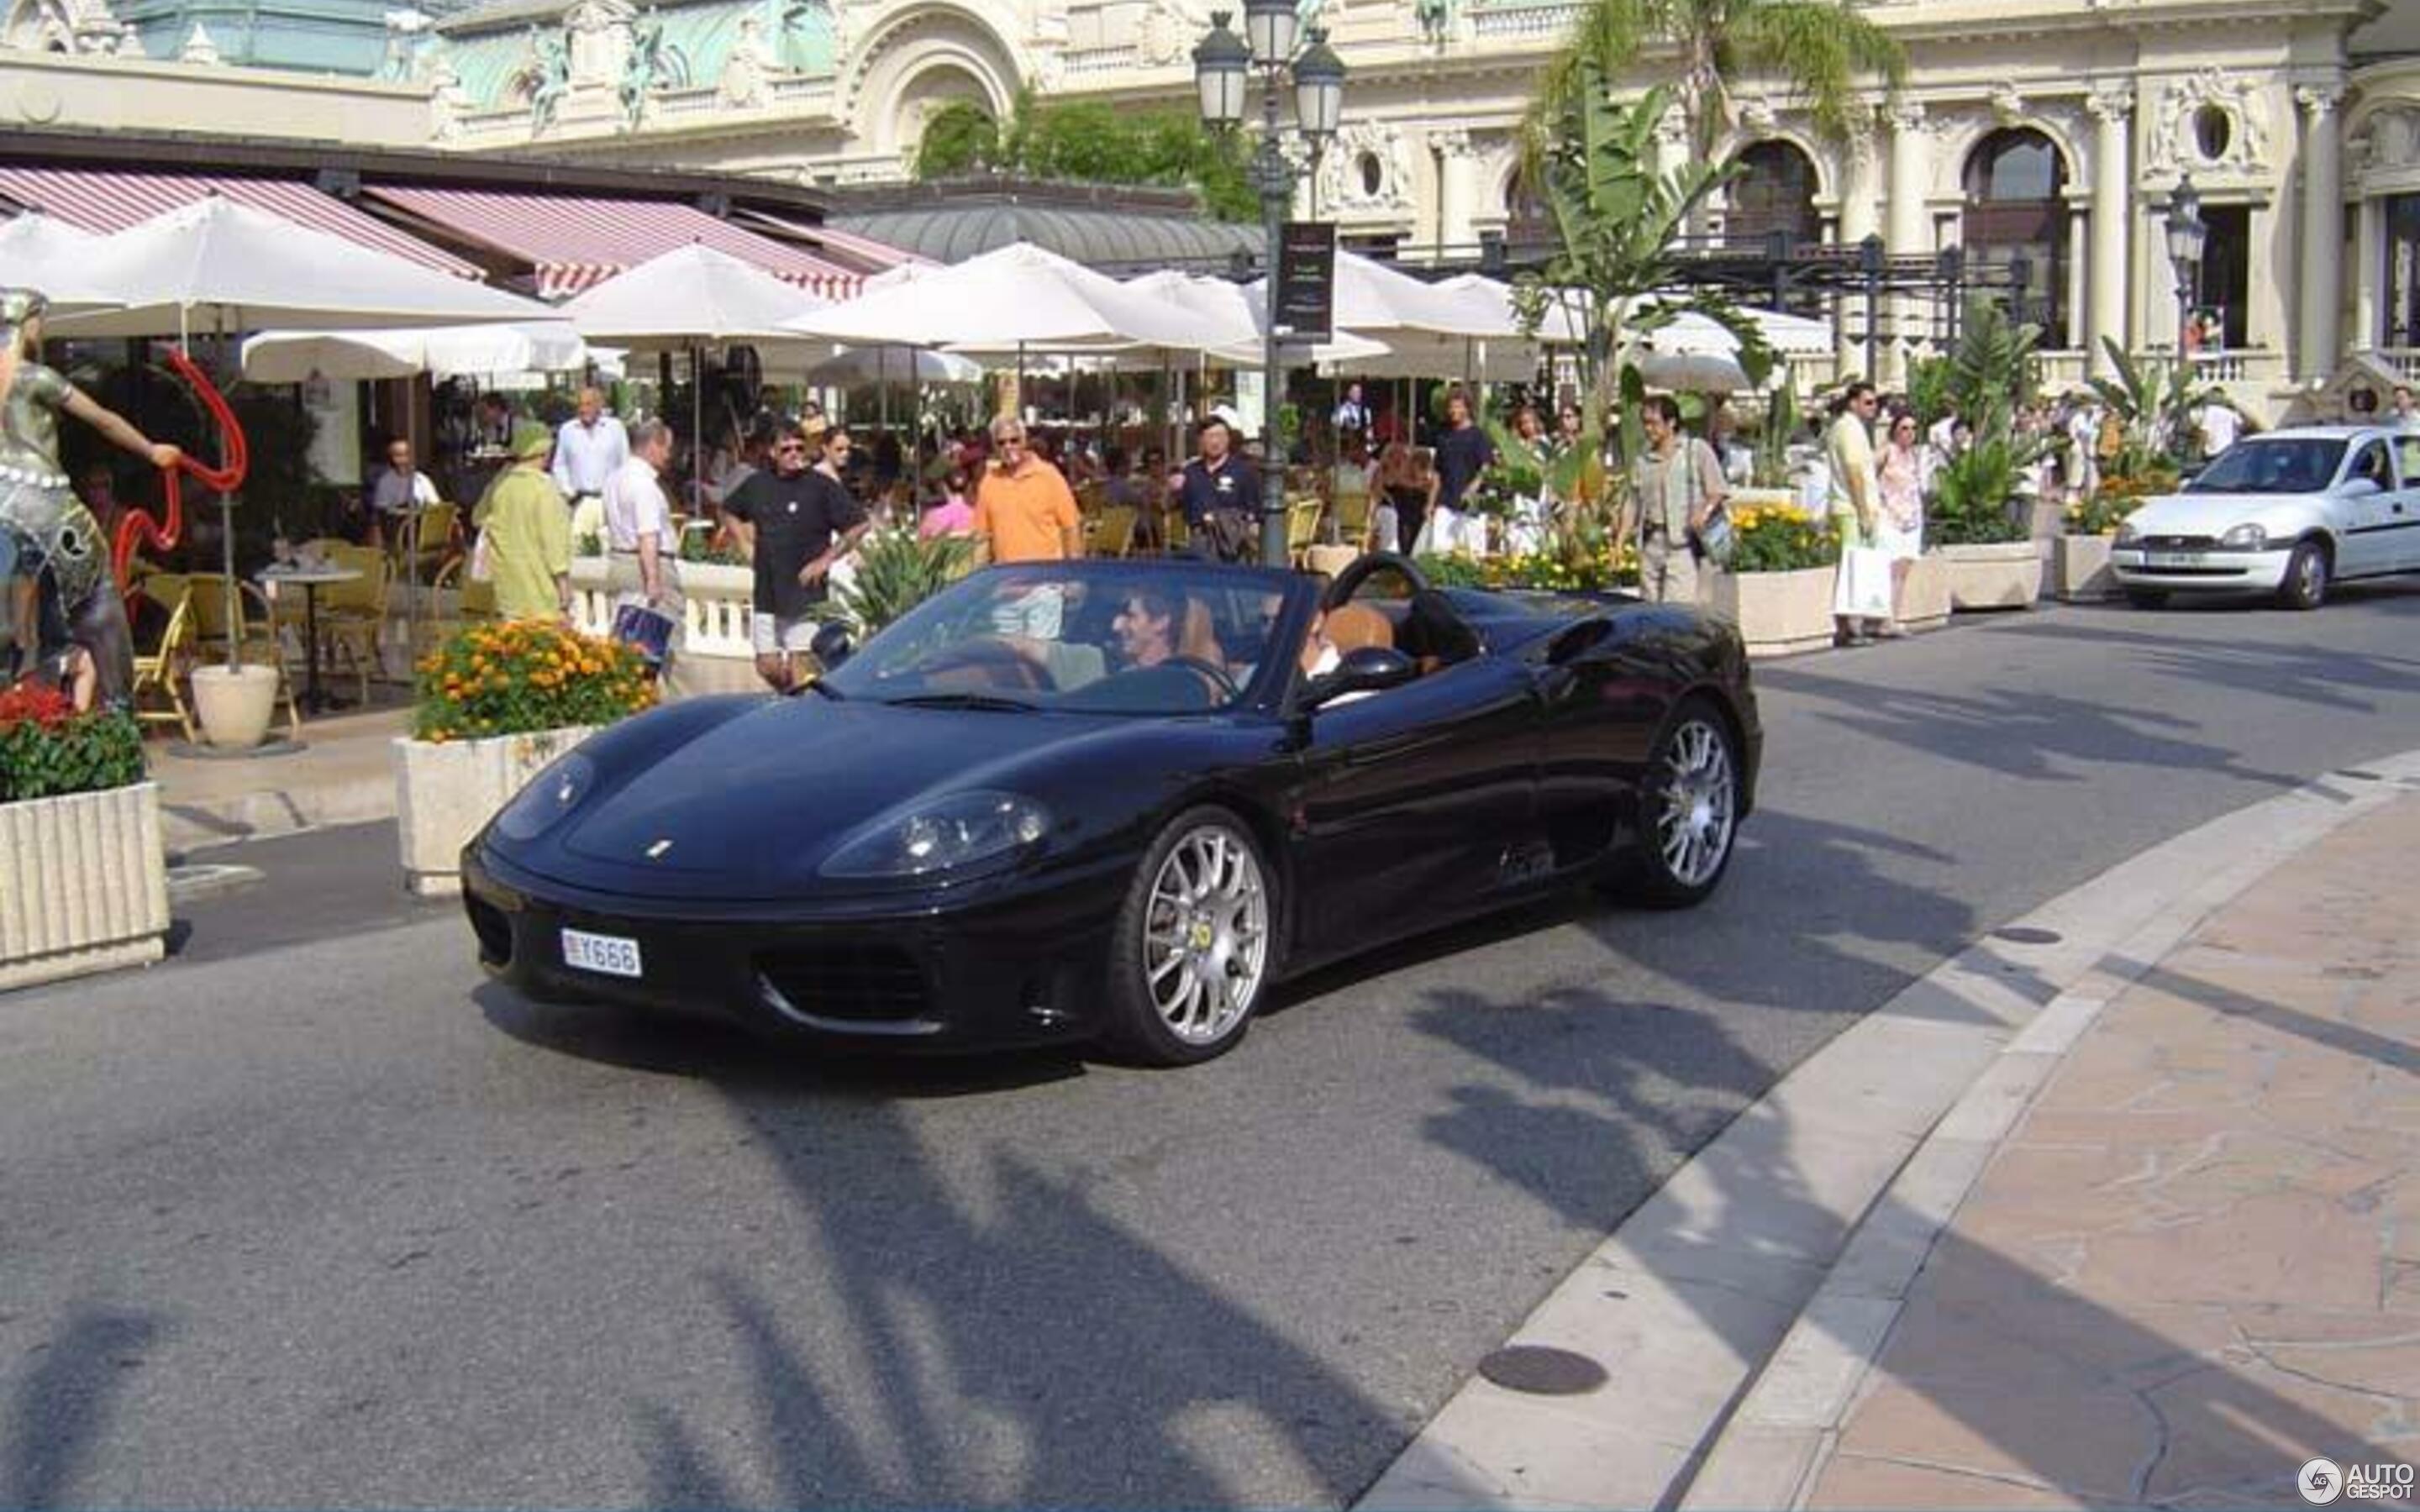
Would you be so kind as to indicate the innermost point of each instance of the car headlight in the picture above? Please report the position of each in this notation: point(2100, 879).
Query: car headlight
point(550, 795)
point(2245, 538)
point(2126, 533)
point(944, 835)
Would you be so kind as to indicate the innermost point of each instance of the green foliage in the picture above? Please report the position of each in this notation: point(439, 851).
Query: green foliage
point(1782, 538)
point(897, 570)
point(1975, 493)
point(1991, 374)
point(2154, 402)
point(48, 750)
point(1090, 142)
point(1772, 466)
point(1824, 50)
point(521, 677)
point(1517, 473)
point(699, 546)
point(1928, 389)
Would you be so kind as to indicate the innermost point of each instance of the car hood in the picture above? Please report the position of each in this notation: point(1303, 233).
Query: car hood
point(2212, 514)
point(749, 807)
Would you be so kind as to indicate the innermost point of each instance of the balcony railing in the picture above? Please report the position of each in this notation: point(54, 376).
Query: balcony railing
point(2405, 361)
point(1545, 21)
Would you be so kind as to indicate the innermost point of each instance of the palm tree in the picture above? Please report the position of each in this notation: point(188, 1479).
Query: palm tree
point(1821, 48)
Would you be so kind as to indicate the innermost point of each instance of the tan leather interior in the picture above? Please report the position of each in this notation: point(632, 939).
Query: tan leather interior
point(1351, 626)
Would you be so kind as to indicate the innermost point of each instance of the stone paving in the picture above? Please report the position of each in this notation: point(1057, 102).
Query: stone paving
point(2194, 1263)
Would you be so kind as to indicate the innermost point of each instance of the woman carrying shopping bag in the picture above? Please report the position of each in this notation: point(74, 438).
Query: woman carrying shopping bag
point(1901, 478)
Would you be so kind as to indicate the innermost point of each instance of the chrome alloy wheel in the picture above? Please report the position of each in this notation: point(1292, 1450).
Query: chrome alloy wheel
point(1206, 934)
point(1699, 804)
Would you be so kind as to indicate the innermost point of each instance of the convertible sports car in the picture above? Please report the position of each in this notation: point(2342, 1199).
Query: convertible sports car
point(1115, 801)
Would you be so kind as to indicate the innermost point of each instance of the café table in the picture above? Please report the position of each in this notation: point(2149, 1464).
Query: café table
point(311, 579)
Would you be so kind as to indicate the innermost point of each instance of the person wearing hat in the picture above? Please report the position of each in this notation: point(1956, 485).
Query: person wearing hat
point(525, 527)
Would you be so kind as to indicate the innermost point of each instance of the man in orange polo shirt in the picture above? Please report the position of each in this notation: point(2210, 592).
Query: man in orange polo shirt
point(1024, 509)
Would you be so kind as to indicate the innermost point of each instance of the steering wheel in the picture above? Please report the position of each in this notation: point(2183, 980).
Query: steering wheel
point(1219, 682)
point(1349, 581)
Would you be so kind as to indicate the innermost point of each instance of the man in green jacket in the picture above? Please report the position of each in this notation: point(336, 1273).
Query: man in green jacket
point(525, 529)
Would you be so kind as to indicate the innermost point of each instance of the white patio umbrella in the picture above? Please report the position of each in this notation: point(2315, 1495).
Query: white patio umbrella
point(520, 347)
point(1012, 299)
point(884, 364)
point(41, 252)
point(1694, 372)
point(215, 261)
point(1790, 335)
point(686, 300)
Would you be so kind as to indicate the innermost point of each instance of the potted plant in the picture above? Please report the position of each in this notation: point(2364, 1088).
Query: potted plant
point(1779, 590)
point(83, 880)
point(1975, 522)
point(2081, 566)
point(896, 570)
point(495, 704)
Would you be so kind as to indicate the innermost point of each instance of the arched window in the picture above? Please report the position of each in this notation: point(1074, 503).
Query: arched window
point(2016, 213)
point(1774, 191)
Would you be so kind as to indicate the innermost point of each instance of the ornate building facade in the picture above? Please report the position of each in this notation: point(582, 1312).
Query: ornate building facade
point(2042, 137)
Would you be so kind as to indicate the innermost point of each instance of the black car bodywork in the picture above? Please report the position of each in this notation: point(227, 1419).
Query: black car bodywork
point(701, 829)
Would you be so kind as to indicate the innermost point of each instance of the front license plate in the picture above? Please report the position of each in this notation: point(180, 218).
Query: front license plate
point(2175, 558)
point(610, 954)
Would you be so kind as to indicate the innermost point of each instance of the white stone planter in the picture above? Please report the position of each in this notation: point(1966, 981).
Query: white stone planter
point(1778, 613)
point(1924, 597)
point(447, 792)
point(84, 885)
point(2001, 575)
point(2080, 569)
point(235, 704)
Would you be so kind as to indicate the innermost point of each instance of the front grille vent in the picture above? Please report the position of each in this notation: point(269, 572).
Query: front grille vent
point(866, 983)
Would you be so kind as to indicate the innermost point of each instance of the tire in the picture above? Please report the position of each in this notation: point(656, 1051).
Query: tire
point(1688, 813)
point(1192, 952)
point(2306, 577)
point(2148, 597)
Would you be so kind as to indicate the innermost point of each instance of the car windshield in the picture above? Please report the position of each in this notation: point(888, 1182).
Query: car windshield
point(2273, 464)
point(1091, 638)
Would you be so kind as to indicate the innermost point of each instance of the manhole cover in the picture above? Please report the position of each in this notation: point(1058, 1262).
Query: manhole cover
point(2027, 935)
point(1542, 1371)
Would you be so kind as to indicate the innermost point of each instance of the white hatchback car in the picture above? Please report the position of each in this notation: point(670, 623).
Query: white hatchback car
point(2287, 513)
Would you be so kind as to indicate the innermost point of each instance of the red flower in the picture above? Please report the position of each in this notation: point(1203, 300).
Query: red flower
point(36, 704)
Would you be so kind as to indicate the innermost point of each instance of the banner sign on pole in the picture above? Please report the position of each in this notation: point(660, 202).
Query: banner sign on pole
point(1305, 284)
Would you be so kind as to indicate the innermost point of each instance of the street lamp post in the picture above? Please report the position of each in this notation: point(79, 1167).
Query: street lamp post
point(1222, 64)
point(2188, 233)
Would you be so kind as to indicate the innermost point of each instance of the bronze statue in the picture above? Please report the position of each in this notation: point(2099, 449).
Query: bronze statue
point(61, 616)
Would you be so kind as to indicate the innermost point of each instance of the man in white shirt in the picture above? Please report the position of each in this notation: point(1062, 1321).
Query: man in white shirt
point(2220, 425)
point(638, 516)
point(2406, 417)
point(397, 491)
point(1944, 432)
point(1352, 415)
point(588, 450)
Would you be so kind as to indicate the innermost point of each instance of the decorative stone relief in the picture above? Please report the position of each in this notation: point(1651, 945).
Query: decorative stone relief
point(448, 102)
point(2177, 143)
point(63, 26)
point(2391, 139)
point(1904, 114)
point(198, 49)
point(1345, 185)
point(599, 32)
point(1757, 116)
point(2109, 102)
point(1167, 34)
point(2007, 103)
point(743, 80)
point(2318, 101)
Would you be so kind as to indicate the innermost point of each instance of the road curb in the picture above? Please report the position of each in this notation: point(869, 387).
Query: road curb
point(200, 824)
point(1744, 1300)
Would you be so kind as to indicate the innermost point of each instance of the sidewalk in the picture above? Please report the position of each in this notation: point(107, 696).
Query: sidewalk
point(2191, 1264)
point(344, 775)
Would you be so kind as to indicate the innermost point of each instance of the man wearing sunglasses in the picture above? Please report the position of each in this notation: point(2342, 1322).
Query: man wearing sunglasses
point(795, 521)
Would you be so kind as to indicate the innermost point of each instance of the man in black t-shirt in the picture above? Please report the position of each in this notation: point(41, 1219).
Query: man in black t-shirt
point(795, 521)
point(1462, 454)
point(1221, 495)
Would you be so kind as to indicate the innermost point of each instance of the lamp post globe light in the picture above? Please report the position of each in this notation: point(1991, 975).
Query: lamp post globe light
point(1222, 65)
point(2188, 233)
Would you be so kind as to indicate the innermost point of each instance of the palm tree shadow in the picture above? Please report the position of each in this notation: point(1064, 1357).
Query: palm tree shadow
point(64, 1405)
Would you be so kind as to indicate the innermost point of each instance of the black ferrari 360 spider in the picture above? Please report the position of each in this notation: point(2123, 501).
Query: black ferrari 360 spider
point(1115, 801)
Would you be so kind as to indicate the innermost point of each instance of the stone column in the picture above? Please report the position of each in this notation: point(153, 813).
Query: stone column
point(1457, 192)
point(1860, 201)
point(2322, 238)
point(1907, 230)
point(2112, 175)
point(2369, 271)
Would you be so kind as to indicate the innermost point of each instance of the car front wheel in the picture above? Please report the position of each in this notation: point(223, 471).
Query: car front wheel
point(1688, 812)
point(1191, 951)
point(2306, 577)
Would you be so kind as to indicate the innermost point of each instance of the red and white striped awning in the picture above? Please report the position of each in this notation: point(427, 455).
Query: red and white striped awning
point(108, 200)
point(573, 243)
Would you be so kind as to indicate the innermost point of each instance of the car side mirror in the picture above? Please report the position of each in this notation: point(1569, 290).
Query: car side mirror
point(1364, 669)
point(2360, 487)
point(832, 646)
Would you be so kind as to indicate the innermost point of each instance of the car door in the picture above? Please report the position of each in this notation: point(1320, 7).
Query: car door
point(2403, 510)
point(2364, 502)
point(1604, 687)
point(1414, 804)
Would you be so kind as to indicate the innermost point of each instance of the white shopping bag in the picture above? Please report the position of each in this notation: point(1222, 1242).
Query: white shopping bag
point(1863, 590)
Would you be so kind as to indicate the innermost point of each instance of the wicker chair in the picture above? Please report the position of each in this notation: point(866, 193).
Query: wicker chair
point(159, 671)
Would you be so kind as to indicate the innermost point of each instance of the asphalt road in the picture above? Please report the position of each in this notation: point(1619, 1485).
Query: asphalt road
point(315, 1216)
